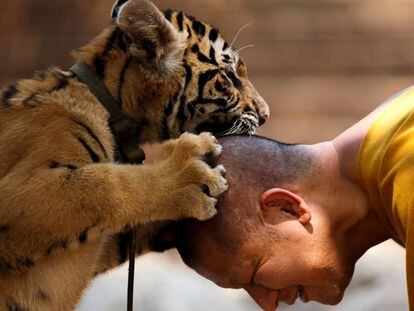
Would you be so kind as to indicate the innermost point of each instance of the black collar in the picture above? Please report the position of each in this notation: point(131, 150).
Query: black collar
point(122, 128)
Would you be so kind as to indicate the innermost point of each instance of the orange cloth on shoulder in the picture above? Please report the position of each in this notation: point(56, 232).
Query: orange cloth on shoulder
point(386, 169)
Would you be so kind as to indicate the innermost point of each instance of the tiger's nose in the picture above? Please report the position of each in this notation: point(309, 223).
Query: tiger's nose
point(263, 119)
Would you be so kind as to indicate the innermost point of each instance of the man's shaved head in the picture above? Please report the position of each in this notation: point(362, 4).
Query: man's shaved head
point(254, 164)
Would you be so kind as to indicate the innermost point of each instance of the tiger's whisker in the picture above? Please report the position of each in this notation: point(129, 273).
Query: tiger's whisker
point(226, 132)
point(239, 32)
point(234, 128)
point(244, 47)
point(238, 128)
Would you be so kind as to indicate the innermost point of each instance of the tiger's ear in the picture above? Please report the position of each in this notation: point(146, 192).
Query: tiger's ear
point(117, 7)
point(153, 39)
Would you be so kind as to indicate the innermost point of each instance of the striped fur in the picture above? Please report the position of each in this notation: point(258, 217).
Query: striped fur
point(65, 205)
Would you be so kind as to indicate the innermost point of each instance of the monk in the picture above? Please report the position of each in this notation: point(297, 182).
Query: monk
point(298, 217)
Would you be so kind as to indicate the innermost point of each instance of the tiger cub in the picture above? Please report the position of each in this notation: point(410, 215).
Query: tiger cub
point(65, 202)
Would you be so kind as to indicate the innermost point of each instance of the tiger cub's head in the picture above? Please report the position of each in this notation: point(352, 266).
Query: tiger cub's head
point(178, 72)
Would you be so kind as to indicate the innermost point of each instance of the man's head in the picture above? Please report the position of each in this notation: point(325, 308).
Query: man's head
point(270, 236)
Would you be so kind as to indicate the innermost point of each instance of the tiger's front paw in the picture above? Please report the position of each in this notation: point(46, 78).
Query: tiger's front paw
point(197, 185)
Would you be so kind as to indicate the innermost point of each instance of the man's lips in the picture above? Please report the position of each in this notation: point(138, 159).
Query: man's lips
point(290, 295)
point(267, 299)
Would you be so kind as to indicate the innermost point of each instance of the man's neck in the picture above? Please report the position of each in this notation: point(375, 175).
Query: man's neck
point(357, 221)
point(340, 197)
point(343, 201)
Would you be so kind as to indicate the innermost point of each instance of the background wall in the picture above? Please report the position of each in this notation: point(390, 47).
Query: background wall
point(321, 65)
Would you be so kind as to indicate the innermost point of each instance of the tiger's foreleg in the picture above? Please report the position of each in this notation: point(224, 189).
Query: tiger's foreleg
point(108, 197)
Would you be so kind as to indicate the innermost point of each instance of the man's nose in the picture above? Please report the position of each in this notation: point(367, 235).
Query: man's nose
point(267, 299)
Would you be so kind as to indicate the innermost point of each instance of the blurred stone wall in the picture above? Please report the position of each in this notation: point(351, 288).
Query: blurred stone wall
point(321, 64)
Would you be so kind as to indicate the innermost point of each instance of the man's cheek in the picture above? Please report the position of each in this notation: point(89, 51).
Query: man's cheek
point(274, 276)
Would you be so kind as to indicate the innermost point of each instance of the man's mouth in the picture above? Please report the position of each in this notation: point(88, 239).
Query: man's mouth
point(291, 295)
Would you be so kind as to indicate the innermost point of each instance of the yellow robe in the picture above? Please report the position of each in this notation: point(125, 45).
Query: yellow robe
point(386, 170)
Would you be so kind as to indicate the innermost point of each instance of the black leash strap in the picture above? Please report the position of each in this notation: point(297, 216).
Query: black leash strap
point(128, 148)
point(131, 270)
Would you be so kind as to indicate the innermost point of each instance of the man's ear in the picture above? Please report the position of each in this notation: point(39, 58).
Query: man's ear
point(277, 204)
point(153, 39)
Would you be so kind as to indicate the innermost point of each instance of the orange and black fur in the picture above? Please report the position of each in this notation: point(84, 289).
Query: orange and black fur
point(64, 201)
